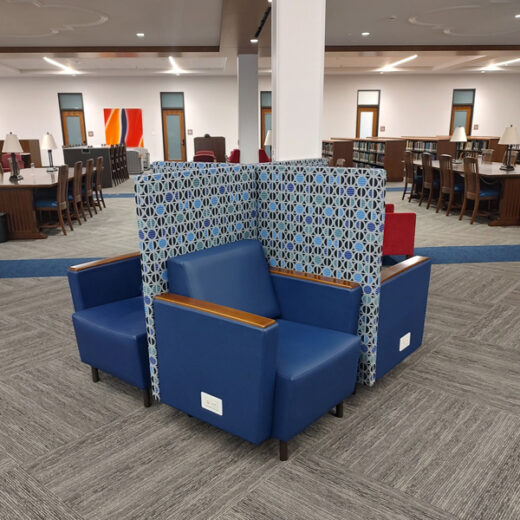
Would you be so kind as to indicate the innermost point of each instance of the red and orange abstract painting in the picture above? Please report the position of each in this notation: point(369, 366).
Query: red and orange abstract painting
point(124, 126)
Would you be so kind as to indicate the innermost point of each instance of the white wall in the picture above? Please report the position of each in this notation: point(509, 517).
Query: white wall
point(410, 105)
point(421, 105)
point(29, 107)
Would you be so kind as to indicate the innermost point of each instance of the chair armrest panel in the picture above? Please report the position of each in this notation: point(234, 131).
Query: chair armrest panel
point(320, 304)
point(105, 281)
point(402, 311)
point(201, 352)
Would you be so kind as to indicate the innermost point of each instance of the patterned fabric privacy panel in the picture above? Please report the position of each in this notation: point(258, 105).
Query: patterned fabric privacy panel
point(309, 217)
point(328, 221)
point(184, 210)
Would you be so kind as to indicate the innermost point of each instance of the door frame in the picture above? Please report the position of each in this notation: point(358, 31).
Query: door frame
point(375, 121)
point(469, 121)
point(263, 111)
point(183, 133)
point(64, 127)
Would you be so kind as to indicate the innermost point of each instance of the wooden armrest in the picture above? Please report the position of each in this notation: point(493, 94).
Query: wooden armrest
point(103, 261)
point(392, 271)
point(345, 284)
point(218, 310)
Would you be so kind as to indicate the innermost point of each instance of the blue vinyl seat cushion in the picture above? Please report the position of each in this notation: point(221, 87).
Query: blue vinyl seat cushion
point(235, 275)
point(316, 369)
point(46, 203)
point(112, 337)
point(490, 192)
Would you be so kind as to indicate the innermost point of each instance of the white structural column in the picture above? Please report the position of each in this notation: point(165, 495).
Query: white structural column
point(297, 54)
point(248, 107)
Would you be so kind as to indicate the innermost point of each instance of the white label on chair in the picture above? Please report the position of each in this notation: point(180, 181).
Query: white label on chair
point(211, 403)
point(404, 341)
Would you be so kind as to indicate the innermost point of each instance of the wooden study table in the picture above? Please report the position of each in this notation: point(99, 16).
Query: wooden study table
point(509, 207)
point(17, 200)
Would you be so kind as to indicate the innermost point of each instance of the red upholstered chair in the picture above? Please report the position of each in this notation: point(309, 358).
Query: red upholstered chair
point(399, 233)
point(262, 156)
point(5, 161)
point(234, 156)
point(204, 156)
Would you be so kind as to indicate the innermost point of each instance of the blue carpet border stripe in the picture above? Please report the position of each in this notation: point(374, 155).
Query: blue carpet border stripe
point(36, 268)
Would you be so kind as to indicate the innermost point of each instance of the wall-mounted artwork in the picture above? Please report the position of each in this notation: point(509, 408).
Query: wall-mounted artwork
point(124, 126)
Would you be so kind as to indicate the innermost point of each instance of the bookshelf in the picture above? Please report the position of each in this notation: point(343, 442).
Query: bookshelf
point(380, 152)
point(437, 146)
point(334, 149)
point(481, 142)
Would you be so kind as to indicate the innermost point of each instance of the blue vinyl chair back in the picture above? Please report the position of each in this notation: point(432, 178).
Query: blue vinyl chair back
point(235, 275)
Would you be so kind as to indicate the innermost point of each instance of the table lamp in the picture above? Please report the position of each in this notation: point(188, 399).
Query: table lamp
point(12, 146)
point(49, 144)
point(459, 136)
point(510, 137)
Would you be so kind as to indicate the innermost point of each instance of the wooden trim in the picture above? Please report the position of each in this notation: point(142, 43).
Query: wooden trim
point(318, 278)
point(165, 112)
point(364, 48)
point(401, 267)
point(168, 49)
point(217, 310)
point(104, 261)
point(375, 121)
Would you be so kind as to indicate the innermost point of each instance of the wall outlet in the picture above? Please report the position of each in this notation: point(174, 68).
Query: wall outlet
point(404, 341)
point(190, 131)
point(90, 133)
point(211, 403)
point(475, 127)
point(382, 128)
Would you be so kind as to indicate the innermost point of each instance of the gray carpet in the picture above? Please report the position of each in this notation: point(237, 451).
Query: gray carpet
point(437, 438)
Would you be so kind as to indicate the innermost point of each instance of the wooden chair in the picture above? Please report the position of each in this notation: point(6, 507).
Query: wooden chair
point(124, 162)
point(430, 183)
point(60, 203)
point(409, 176)
point(473, 189)
point(451, 183)
point(86, 191)
point(114, 165)
point(487, 155)
point(470, 153)
point(97, 187)
point(75, 195)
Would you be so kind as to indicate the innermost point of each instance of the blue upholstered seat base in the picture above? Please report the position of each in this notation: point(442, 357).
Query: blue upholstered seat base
point(46, 203)
point(316, 369)
point(112, 337)
point(490, 192)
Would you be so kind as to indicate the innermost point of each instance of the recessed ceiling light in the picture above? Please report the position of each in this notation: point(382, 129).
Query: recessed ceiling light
point(390, 67)
point(365, 34)
point(254, 40)
point(517, 15)
point(66, 69)
point(140, 35)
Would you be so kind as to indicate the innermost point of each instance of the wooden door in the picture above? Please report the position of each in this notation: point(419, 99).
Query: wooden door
point(174, 135)
point(266, 125)
point(73, 125)
point(461, 115)
point(367, 122)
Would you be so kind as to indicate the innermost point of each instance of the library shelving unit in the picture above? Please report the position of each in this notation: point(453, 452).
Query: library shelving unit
point(437, 146)
point(479, 143)
point(381, 152)
point(334, 149)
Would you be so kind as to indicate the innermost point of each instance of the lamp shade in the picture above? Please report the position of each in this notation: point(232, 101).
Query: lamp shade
point(510, 136)
point(11, 144)
point(459, 135)
point(48, 142)
point(268, 138)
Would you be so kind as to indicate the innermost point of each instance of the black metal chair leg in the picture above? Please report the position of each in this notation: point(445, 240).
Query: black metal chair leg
point(339, 409)
point(95, 374)
point(284, 451)
point(147, 397)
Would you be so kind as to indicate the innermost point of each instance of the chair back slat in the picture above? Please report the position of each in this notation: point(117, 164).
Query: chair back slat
point(99, 171)
point(88, 177)
point(446, 169)
point(63, 183)
point(76, 183)
point(471, 177)
point(427, 169)
point(408, 166)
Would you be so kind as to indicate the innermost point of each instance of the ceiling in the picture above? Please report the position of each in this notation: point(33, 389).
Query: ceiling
point(99, 37)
